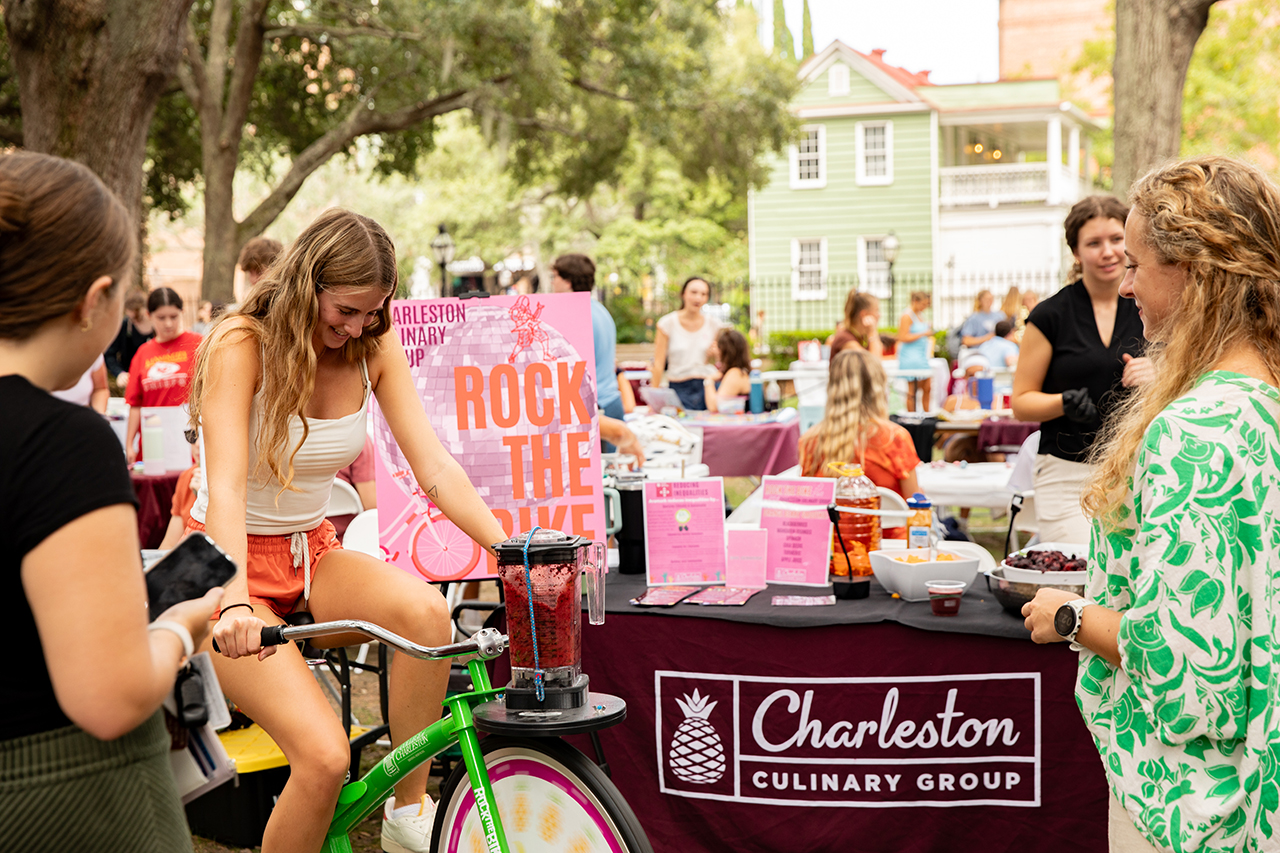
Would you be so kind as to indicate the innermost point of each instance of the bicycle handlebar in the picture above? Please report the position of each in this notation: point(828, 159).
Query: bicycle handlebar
point(487, 642)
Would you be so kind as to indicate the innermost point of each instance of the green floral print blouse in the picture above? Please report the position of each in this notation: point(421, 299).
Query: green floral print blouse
point(1189, 725)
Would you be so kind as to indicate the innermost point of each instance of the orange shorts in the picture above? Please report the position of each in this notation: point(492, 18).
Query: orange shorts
point(274, 581)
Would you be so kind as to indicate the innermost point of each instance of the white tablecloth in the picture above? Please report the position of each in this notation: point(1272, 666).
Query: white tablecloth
point(978, 484)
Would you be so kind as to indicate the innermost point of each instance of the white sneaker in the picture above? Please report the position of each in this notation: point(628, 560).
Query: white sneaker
point(410, 833)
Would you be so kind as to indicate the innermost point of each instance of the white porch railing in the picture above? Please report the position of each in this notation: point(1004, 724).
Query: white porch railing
point(965, 186)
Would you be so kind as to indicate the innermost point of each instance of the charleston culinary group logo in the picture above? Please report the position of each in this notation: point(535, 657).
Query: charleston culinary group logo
point(856, 742)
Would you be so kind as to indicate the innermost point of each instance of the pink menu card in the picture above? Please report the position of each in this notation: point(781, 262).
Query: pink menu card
point(799, 538)
point(684, 531)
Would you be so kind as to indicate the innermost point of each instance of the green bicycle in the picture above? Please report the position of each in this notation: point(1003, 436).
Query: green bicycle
point(512, 791)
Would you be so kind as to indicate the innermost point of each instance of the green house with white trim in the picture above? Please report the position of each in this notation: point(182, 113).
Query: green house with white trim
point(973, 181)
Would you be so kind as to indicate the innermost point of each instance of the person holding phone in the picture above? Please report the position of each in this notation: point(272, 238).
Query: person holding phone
point(281, 396)
point(85, 751)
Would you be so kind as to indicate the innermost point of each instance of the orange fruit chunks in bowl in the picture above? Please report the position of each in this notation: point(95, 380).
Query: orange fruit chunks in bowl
point(916, 558)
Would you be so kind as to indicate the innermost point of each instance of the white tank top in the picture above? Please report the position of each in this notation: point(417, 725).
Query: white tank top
point(331, 445)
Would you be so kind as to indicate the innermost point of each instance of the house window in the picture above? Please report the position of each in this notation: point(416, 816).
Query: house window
point(838, 80)
point(809, 158)
point(809, 268)
point(874, 153)
point(873, 268)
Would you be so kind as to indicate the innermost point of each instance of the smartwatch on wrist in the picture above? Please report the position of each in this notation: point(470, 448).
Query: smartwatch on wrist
point(1067, 621)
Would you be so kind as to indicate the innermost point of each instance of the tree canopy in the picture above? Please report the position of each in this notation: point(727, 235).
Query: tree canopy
point(567, 92)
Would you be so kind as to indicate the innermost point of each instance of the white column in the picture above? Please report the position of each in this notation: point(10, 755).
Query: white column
point(1073, 162)
point(1054, 158)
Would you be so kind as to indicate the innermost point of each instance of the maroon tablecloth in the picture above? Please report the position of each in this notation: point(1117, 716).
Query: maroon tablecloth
point(155, 500)
point(993, 433)
point(765, 758)
point(750, 450)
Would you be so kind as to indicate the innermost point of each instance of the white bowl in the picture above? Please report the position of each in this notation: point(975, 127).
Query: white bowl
point(1048, 578)
point(732, 406)
point(911, 580)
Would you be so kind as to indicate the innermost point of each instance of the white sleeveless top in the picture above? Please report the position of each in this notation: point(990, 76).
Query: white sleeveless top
point(331, 445)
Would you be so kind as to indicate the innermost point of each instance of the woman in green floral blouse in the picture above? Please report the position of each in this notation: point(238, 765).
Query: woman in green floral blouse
point(1180, 630)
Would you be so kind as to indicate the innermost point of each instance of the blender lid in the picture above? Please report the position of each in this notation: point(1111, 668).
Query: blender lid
point(548, 546)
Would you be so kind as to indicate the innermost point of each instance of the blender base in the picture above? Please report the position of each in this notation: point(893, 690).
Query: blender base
point(600, 711)
point(554, 698)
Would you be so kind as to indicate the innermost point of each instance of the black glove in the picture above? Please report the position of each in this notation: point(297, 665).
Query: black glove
point(1078, 407)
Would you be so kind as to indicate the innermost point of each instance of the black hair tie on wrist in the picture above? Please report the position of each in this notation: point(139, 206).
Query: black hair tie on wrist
point(229, 606)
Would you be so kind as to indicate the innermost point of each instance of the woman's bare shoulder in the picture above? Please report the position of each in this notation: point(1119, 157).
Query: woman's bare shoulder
point(234, 343)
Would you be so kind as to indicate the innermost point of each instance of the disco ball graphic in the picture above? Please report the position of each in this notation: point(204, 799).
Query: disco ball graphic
point(484, 340)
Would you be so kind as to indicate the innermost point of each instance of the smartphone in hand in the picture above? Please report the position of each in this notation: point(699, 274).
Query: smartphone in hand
point(195, 566)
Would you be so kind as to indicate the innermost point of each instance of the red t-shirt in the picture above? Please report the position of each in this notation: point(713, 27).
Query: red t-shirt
point(161, 374)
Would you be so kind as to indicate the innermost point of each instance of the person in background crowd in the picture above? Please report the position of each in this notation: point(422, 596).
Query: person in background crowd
point(734, 369)
point(999, 353)
point(204, 318)
point(625, 392)
point(856, 429)
point(162, 368)
point(914, 335)
point(577, 274)
point(83, 741)
point(683, 346)
point(1011, 304)
point(256, 257)
point(1030, 299)
point(314, 336)
point(91, 390)
point(1082, 350)
point(1180, 664)
point(859, 328)
point(980, 327)
point(184, 498)
point(360, 474)
point(135, 330)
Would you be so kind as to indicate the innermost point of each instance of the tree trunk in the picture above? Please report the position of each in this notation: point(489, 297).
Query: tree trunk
point(1154, 43)
point(89, 74)
point(222, 239)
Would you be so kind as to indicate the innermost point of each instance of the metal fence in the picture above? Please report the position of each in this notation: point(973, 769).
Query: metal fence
point(770, 305)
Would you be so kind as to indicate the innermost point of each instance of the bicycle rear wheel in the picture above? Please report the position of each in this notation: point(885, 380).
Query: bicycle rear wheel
point(550, 797)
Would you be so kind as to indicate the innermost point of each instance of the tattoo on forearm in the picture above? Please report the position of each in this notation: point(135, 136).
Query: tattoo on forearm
point(433, 493)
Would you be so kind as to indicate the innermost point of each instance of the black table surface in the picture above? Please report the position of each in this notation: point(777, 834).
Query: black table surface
point(979, 613)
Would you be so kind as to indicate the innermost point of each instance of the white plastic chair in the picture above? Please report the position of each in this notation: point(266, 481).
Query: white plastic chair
point(344, 499)
point(362, 534)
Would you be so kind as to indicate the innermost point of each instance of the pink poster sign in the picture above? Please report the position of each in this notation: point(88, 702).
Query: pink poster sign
point(508, 383)
point(684, 531)
point(748, 552)
point(799, 538)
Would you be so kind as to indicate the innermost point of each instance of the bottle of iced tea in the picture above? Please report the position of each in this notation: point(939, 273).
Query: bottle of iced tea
point(857, 534)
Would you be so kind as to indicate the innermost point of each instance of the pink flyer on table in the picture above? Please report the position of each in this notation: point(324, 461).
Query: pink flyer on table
point(747, 558)
point(684, 531)
point(508, 384)
point(799, 539)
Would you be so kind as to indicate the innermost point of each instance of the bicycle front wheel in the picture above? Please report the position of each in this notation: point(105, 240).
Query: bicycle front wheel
point(550, 797)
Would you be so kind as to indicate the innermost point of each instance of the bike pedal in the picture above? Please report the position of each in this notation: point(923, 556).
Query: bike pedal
point(314, 662)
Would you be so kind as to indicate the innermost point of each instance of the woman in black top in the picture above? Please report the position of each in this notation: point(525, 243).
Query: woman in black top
point(135, 331)
point(1081, 349)
point(83, 745)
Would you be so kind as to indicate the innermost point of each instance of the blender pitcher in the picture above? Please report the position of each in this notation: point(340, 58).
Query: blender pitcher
point(549, 648)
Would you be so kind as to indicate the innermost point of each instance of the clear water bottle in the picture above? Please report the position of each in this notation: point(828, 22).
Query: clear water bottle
point(857, 534)
point(757, 392)
point(772, 395)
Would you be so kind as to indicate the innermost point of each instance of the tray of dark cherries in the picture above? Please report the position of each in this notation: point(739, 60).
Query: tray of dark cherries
point(1046, 561)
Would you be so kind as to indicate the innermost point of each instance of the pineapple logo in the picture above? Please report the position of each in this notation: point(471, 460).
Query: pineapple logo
point(696, 754)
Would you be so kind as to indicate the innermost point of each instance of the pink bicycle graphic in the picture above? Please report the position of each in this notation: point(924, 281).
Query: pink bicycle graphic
point(439, 549)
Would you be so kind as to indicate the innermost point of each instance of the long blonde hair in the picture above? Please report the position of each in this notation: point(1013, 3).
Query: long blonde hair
point(339, 250)
point(857, 405)
point(1219, 220)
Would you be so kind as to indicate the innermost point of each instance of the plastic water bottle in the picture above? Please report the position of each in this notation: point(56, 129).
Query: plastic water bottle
point(152, 447)
point(772, 395)
point(757, 392)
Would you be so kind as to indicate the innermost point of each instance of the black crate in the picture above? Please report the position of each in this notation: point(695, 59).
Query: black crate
point(236, 813)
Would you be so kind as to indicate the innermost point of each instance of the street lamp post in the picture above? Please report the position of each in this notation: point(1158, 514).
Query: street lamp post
point(890, 245)
point(442, 248)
